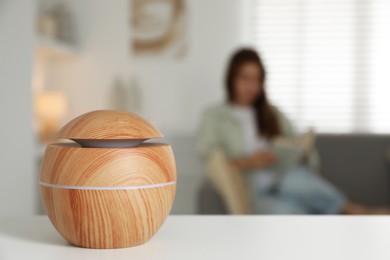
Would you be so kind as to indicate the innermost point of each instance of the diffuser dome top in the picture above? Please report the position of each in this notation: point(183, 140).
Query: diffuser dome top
point(108, 125)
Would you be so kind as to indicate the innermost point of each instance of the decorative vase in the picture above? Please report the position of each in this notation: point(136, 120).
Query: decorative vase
point(108, 189)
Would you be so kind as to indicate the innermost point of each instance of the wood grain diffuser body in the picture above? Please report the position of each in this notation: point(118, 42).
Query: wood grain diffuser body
point(108, 189)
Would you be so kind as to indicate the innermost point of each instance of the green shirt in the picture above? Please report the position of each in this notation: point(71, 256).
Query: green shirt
point(219, 129)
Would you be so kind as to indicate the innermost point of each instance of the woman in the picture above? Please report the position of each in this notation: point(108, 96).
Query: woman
point(244, 126)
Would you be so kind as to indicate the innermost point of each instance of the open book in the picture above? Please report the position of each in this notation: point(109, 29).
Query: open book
point(291, 151)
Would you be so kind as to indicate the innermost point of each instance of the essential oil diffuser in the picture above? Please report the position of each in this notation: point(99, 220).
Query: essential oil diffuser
point(108, 189)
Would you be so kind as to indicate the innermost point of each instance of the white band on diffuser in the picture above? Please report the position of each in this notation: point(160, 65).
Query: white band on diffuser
point(136, 187)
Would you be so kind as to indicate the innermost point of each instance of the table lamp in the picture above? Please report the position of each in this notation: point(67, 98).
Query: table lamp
point(50, 108)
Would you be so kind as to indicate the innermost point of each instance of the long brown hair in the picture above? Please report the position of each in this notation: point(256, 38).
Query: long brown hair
point(267, 122)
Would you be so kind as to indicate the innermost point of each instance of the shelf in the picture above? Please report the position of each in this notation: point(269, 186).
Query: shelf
point(47, 48)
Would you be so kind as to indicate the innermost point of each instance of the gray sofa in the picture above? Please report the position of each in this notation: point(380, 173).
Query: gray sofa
point(358, 164)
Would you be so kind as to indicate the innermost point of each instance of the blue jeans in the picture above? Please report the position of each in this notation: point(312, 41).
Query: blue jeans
point(300, 191)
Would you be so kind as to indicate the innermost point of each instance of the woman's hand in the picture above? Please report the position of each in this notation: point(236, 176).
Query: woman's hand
point(262, 159)
point(258, 160)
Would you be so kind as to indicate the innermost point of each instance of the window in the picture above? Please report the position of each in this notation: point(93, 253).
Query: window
point(328, 61)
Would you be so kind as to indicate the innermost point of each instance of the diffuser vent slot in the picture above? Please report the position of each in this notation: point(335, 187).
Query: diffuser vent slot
point(109, 143)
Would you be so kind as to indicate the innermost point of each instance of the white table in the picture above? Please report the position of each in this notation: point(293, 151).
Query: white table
point(215, 237)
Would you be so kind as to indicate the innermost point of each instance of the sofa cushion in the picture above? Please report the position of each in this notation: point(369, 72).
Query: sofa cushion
point(228, 183)
point(357, 165)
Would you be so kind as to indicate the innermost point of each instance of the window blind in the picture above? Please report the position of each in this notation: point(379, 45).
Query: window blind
point(328, 61)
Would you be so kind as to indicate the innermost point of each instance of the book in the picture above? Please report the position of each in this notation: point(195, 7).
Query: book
point(291, 152)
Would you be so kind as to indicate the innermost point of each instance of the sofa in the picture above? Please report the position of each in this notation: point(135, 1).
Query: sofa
point(358, 164)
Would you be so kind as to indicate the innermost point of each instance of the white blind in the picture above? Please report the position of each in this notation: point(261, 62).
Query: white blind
point(328, 61)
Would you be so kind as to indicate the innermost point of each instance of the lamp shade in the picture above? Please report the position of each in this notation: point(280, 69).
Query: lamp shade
point(50, 105)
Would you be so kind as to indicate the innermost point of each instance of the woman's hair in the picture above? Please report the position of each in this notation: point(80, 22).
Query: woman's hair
point(267, 122)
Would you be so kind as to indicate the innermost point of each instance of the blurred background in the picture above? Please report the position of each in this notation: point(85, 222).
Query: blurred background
point(327, 60)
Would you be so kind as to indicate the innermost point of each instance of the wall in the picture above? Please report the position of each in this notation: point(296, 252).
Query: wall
point(173, 92)
point(17, 182)
point(101, 55)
